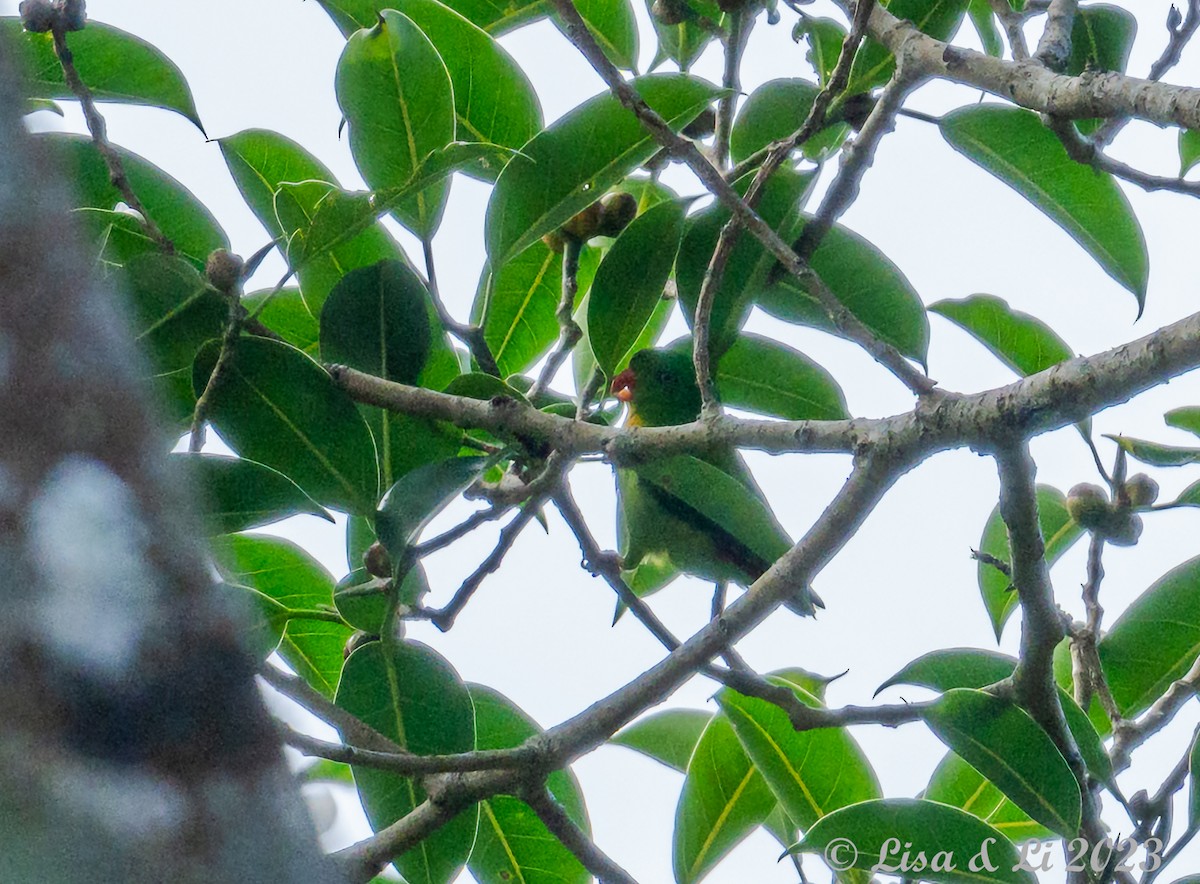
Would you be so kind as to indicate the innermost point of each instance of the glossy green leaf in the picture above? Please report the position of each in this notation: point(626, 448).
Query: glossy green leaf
point(1186, 418)
point(1101, 38)
point(477, 385)
point(774, 111)
point(1013, 145)
point(1022, 342)
point(811, 772)
point(33, 105)
point(669, 737)
point(417, 497)
point(494, 16)
point(282, 571)
point(956, 783)
point(1155, 641)
point(287, 315)
point(242, 494)
point(824, 37)
point(376, 320)
point(113, 64)
point(494, 101)
point(260, 162)
point(1002, 742)
point(519, 302)
point(865, 281)
point(934, 829)
point(724, 799)
point(984, 20)
point(749, 263)
point(873, 65)
point(570, 164)
point(117, 237)
point(1194, 790)
point(629, 283)
point(1189, 150)
point(512, 844)
point(278, 407)
point(362, 599)
point(416, 699)
point(1154, 454)
point(1190, 496)
point(395, 93)
point(1059, 532)
point(758, 374)
point(325, 771)
point(699, 23)
point(262, 619)
point(181, 217)
point(613, 25)
point(174, 309)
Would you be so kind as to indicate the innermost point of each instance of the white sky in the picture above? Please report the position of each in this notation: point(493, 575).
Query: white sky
point(905, 585)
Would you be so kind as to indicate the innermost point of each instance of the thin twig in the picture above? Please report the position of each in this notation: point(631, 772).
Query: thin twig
point(99, 131)
point(473, 521)
point(1012, 20)
point(229, 342)
point(560, 824)
point(352, 728)
point(470, 335)
point(569, 330)
point(1088, 152)
point(1054, 48)
point(1132, 734)
point(740, 23)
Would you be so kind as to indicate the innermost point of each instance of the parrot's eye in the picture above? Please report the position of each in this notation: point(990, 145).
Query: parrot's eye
point(623, 384)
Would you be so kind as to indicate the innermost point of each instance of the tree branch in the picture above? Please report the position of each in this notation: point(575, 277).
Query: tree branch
point(1054, 48)
point(562, 827)
point(569, 330)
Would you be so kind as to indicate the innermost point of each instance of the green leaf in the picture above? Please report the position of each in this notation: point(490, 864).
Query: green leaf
point(242, 494)
point(1154, 454)
point(494, 16)
point(629, 283)
point(417, 497)
point(1022, 342)
point(569, 165)
point(33, 105)
point(362, 599)
point(518, 304)
point(1189, 150)
point(984, 20)
point(1059, 531)
point(669, 737)
point(758, 374)
point(174, 309)
point(113, 64)
point(287, 315)
point(260, 163)
point(774, 111)
point(1013, 145)
point(718, 499)
point(1101, 38)
point(956, 783)
point(613, 25)
point(825, 37)
point(934, 829)
point(494, 102)
point(724, 799)
point(416, 699)
point(278, 407)
point(749, 263)
point(512, 844)
point(477, 385)
point(811, 772)
point(285, 573)
point(181, 217)
point(1190, 496)
point(1194, 790)
point(951, 668)
point(117, 237)
point(874, 64)
point(1155, 641)
point(262, 621)
point(395, 93)
point(1002, 742)
point(376, 321)
point(1186, 418)
point(865, 282)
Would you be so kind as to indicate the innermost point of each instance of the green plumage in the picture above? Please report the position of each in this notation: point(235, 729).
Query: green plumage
point(708, 516)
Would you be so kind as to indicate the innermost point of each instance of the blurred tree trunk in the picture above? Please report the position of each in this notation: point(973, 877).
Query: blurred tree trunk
point(134, 746)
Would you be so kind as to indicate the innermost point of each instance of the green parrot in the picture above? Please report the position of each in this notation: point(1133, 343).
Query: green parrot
point(707, 516)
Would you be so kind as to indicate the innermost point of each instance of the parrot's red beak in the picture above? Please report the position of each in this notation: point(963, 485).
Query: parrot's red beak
point(623, 385)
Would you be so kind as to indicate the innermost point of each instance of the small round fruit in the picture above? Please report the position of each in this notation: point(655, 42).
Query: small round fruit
point(703, 126)
point(1141, 490)
point(554, 241)
point(356, 641)
point(668, 12)
point(1126, 531)
point(1088, 505)
point(377, 561)
point(616, 211)
point(584, 225)
point(224, 270)
point(38, 16)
